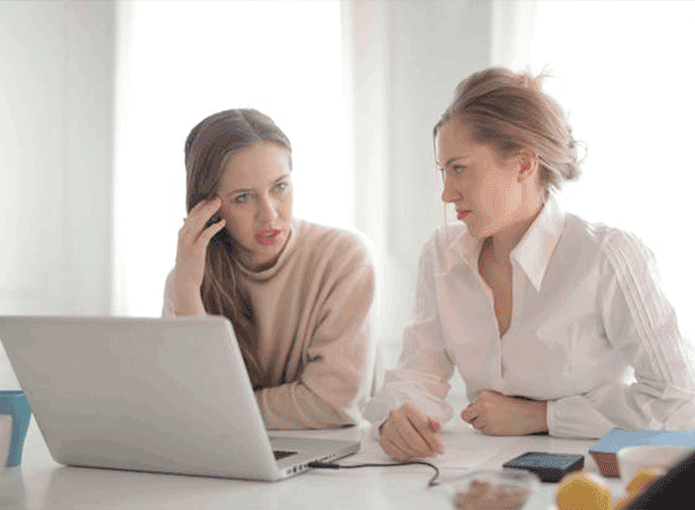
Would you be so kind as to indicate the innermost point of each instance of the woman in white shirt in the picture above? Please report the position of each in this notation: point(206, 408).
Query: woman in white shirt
point(541, 312)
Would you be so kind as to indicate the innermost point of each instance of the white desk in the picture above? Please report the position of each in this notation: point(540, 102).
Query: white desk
point(40, 483)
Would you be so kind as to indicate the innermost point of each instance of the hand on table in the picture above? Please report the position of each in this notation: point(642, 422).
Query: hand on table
point(495, 414)
point(409, 433)
point(194, 238)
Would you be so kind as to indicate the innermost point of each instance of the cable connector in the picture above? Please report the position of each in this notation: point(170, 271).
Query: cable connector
point(323, 465)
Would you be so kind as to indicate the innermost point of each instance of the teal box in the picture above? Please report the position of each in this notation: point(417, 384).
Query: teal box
point(16, 405)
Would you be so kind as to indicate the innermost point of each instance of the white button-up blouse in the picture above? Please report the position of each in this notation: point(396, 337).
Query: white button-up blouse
point(586, 306)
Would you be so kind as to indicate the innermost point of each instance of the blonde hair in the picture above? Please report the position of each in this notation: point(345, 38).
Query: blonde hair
point(209, 145)
point(510, 111)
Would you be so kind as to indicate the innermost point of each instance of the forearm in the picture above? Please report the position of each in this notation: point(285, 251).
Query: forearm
point(295, 406)
point(189, 304)
point(181, 301)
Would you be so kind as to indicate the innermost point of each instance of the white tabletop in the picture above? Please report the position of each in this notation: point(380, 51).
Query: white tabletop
point(41, 483)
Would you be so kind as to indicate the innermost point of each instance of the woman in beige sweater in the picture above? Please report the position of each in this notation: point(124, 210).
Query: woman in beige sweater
point(298, 294)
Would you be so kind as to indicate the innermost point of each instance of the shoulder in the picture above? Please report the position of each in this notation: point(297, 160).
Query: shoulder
point(168, 305)
point(616, 250)
point(323, 239)
point(445, 242)
point(168, 282)
point(333, 243)
point(610, 241)
point(599, 232)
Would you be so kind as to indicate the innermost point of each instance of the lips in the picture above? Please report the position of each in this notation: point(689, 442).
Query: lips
point(267, 236)
point(462, 213)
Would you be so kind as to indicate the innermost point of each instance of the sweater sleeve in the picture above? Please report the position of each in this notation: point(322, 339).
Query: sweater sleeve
point(641, 324)
point(337, 375)
point(168, 306)
point(424, 367)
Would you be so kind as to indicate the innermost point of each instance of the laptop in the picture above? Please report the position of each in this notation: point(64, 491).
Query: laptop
point(168, 395)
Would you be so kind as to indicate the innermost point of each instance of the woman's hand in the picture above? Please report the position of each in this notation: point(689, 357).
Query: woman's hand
point(409, 433)
point(495, 414)
point(190, 256)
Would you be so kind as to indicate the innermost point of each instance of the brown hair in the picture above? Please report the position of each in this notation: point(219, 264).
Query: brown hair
point(209, 146)
point(510, 111)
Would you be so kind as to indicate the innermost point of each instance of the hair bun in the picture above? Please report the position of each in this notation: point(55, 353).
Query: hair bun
point(510, 111)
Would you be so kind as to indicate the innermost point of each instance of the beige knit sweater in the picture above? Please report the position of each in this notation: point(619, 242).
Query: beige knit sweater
point(307, 346)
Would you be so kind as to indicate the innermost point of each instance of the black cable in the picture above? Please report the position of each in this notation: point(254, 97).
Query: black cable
point(331, 465)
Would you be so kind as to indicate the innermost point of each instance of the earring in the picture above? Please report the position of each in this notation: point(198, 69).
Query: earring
point(525, 166)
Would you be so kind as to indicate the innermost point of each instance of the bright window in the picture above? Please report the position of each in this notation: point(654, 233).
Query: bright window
point(180, 61)
point(624, 70)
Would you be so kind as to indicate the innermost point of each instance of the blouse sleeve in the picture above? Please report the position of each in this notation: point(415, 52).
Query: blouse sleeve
point(641, 324)
point(424, 367)
point(339, 366)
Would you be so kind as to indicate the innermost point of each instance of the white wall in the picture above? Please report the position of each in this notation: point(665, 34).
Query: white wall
point(56, 117)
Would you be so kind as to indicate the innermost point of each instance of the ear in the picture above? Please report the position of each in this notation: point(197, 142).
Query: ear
point(528, 164)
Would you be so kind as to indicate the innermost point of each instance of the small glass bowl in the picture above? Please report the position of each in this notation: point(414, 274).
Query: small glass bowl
point(658, 458)
point(502, 489)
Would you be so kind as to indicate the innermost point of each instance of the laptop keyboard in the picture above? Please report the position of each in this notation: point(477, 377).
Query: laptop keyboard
point(279, 454)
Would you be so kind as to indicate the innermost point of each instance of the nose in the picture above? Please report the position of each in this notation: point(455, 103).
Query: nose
point(450, 195)
point(267, 209)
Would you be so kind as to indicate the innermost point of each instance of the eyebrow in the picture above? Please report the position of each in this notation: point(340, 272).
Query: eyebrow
point(451, 160)
point(247, 190)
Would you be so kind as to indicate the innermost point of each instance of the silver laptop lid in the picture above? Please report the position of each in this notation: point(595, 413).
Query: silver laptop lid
point(169, 395)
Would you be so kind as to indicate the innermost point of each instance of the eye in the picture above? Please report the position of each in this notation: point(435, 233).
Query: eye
point(242, 198)
point(458, 169)
point(281, 186)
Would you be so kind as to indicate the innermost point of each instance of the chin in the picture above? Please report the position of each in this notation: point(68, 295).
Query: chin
point(473, 229)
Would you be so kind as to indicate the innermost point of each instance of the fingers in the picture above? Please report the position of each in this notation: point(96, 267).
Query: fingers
point(435, 425)
point(207, 207)
point(474, 415)
point(209, 233)
point(194, 230)
point(204, 210)
point(392, 449)
point(471, 412)
point(425, 427)
point(409, 433)
point(404, 441)
point(487, 413)
point(200, 214)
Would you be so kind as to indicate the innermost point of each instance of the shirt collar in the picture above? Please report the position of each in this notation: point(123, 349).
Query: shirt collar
point(533, 251)
point(536, 247)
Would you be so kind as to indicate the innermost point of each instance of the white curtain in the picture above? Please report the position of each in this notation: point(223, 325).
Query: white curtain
point(513, 25)
point(403, 60)
point(56, 114)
